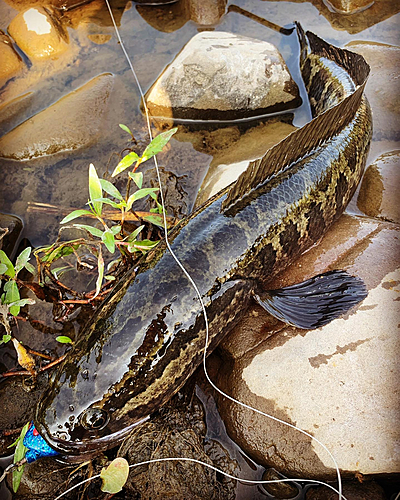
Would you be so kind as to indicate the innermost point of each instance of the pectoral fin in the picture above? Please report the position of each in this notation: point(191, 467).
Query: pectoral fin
point(315, 302)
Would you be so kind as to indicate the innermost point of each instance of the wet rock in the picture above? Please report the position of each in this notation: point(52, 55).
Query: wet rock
point(351, 490)
point(72, 122)
point(236, 150)
point(206, 12)
point(18, 405)
point(38, 34)
point(379, 187)
point(177, 431)
point(11, 111)
point(338, 383)
point(11, 62)
point(44, 480)
point(381, 90)
point(278, 490)
point(349, 6)
point(10, 229)
point(221, 76)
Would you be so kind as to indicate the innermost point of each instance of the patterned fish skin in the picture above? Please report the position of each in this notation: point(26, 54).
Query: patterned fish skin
point(148, 337)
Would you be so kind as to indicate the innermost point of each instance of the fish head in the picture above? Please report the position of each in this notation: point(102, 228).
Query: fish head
point(80, 415)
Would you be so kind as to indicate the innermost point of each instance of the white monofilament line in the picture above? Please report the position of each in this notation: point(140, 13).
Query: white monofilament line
point(244, 405)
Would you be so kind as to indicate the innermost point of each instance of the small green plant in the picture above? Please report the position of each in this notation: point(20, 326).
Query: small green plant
point(10, 299)
point(112, 236)
point(19, 454)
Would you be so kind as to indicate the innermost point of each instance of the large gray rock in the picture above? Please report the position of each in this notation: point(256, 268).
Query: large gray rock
point(220, 75)
point(71, 123)
point(338, 383)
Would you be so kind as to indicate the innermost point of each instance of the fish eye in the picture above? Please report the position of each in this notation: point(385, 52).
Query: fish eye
point(94, 419)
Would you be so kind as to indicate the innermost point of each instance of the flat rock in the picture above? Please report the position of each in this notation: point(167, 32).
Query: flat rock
point(72, 122)
point(379, 188)
point(38, 34)
point(381, 89)
point(220, 75)
point(339, 382)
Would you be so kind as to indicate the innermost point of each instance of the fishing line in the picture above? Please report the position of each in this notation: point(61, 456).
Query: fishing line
point(244, 405)
point(212, 467)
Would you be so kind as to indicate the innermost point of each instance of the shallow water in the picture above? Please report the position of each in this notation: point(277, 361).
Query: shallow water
point(153, 36)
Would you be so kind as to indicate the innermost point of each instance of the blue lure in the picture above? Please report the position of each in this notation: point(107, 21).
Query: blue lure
point(37, 446)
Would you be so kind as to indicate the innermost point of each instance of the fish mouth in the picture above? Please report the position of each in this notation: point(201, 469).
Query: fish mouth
point(79, 451)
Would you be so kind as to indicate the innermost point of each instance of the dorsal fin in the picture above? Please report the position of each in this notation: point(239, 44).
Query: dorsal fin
point(306, 139)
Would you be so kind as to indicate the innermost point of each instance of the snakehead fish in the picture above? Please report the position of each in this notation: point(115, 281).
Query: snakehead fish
point(148, 336)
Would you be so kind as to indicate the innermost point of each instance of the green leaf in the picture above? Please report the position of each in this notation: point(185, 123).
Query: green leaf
point(115, 229)
point(19, 454)
point(137, 178)
point(95, 190)
point(157, 144)
point(100, 267)
point(153, 219)
point(109, 277)
point(143, 246)
point(63, 339)
point(30, 268)
point(7, 262)
point(3, 268)
point(90, 229)
point(125, 128)
point(141, 193)
point(133, 236)
point(107, 201)
point(22, 259)
point(108, 239)
point(74, 215)
point(59, 252)
point(111, 189)
point(22, 303)
point(114, 476)
point(6, 338)
point(12, 295)
point(125, 163)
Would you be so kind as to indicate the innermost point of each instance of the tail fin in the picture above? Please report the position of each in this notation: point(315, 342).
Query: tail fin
point(315, 302)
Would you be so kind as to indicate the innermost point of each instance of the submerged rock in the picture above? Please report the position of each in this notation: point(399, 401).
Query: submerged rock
point(72, 122)
point(206, 12)
point(11, 111)
point(240, 149)
point(220, 75)
point(379, 188)
point(38, 34)
point(339, 382)
point(10, 230)
point(11, 62)
point(349, 6)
